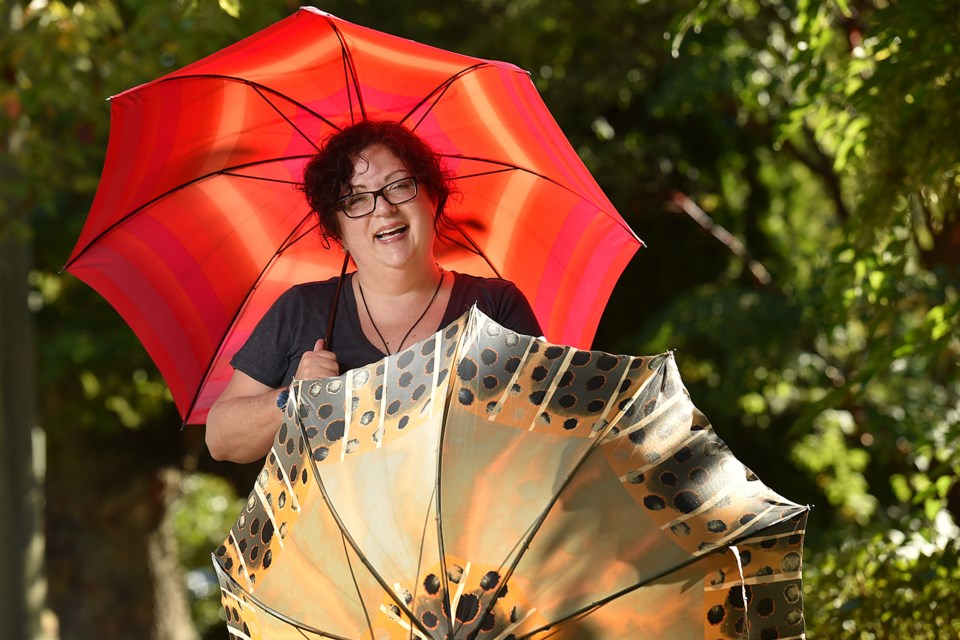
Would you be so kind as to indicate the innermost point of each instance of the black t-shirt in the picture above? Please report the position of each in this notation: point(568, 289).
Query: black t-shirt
point(298, 319)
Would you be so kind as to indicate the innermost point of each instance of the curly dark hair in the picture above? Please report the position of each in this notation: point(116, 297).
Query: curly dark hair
point(327, 176)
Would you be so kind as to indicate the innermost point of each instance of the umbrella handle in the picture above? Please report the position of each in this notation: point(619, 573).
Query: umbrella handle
point(328, 340)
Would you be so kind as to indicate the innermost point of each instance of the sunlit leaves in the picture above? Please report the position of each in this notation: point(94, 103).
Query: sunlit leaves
point(892, 584)
point(823, 135)
point(59, 62)
point(858, 95)
point(230, 7)
point(838, 467)
point(202, 515)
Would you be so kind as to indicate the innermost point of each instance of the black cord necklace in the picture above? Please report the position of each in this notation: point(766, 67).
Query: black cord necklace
point(412, 327)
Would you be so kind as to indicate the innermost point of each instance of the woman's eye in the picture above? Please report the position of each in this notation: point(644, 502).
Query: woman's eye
point(356, 201)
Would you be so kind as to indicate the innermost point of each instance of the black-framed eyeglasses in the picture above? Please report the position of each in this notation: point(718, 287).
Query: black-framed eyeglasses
point(357, 205)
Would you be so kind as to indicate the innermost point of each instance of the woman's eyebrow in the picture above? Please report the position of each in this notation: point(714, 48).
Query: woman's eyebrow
point(387, 179)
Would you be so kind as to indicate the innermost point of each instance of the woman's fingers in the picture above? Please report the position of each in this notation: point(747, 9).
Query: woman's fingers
point(318, 363)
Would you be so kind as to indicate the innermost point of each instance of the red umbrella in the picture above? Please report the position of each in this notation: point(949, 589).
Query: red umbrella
point(196, 227)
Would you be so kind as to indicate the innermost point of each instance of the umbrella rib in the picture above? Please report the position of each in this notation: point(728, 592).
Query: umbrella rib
point(288, 242)
point(233, 174)
point(414, 621)
point(300, 626)
point(590, 608)
point(259, 88)
point(228, 171)
point(468, 335)
point(597, 441)
point(423, 544)
point(508, 166)
point(437, 488)
point(356, 584)
point(351, 78)
point(480, 174)
point(260, 92)
point(438, 92)
point(472, 245)
point(593, 606)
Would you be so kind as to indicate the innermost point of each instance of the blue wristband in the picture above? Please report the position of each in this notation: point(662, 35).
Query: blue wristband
point(282, 398)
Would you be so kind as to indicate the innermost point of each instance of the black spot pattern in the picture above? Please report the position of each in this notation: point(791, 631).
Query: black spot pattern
point(468, 608)
point(715, 615)
point(432, 584)
point(429, 620)
point(673, 473)
point(467, 369)
point(490, 580)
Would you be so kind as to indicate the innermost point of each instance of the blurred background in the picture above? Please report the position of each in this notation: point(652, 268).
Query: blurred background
point(794, 168)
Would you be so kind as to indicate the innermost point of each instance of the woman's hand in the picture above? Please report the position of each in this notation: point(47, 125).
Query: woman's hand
point(243, 422)
point(318, 363)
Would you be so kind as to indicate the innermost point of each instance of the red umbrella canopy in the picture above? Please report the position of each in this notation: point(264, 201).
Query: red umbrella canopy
point(197, 226)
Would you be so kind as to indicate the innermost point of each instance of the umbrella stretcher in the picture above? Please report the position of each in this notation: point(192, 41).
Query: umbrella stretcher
point(485, 484)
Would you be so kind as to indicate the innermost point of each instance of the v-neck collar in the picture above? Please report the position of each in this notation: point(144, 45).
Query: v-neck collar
point(353, 311)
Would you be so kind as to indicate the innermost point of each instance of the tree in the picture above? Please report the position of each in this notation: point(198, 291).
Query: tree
point(23, 592)
point(793, 168)
point(111, 429)
point(861, 386)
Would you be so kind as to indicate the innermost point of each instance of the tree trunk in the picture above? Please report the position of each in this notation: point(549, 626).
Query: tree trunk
point(172, 617)
point(110, 546)
point(23, 588)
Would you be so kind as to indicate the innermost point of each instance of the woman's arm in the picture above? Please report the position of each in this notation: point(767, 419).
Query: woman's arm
point(243, 422)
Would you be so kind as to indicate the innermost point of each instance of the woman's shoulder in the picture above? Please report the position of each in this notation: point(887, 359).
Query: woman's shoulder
point(311, 290)
point(468, 281)
point(500, 299)
point(493, 295)
point(304, 298)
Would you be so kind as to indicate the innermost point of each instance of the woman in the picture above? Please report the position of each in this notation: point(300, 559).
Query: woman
point(379, 191)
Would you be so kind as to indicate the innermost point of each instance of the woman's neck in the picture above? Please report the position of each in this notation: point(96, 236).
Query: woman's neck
point(390, 282)
point(401, 309)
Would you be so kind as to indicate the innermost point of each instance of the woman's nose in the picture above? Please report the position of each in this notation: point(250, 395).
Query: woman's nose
point(382, 207)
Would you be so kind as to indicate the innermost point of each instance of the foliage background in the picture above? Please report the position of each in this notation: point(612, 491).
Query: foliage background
point(794, 168)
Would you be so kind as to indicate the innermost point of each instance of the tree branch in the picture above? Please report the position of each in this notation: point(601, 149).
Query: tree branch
point(760, 274)
point(821, 165)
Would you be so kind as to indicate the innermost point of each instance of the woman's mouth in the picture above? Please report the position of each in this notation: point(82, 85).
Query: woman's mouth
point(391, 233)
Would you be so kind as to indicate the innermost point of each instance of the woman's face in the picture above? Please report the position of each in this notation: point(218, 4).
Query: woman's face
point(393, 236)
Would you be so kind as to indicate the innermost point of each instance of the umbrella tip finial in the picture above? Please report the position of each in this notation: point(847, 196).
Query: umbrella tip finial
point(319, 12)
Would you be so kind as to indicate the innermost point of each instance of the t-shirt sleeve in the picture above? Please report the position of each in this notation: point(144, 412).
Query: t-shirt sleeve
point(515, 312)
point(266, 354)
point(500, 299)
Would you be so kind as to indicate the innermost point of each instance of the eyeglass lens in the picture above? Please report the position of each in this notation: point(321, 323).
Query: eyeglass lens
point(397, 192)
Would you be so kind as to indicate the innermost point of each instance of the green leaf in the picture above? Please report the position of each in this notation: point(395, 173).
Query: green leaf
point(900, 486)
point(230, 7)
point(931, 508)
point(844, 7)
point(943, 484)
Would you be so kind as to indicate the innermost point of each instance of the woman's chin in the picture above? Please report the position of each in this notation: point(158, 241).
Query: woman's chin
point(399, 255)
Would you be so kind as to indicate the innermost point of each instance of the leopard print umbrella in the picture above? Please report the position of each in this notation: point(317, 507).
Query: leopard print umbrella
point(483, 484)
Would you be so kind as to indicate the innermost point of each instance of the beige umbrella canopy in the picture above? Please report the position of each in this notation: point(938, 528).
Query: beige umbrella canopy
point(484, 484)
